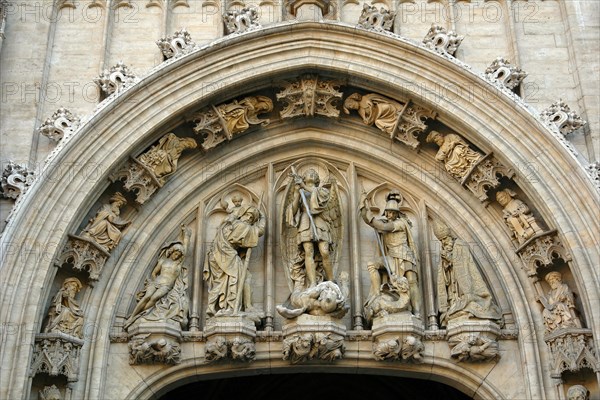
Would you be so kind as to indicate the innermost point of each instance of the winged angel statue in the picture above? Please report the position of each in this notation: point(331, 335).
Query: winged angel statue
point(312, 237)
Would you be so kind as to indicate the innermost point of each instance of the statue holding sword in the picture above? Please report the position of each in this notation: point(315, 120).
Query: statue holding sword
point(398, 252)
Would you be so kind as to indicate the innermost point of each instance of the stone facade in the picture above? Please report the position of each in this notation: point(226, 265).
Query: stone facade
point(220, 266)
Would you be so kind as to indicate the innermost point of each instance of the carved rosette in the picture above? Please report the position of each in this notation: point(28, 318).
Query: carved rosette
point(483, 176)
point(84, 255)
point(56, 354)
point(572, 350)
point(138, 178)
point(16, 180)
point(154, 343)
point(115, 79)
point(541, 251)
point(311, 337)
point(374, 19)
point(57, 126)
point(473, 341)
point(176, 45)
point(230, 337)
point(560, 115)
point(217, 124)
point(508, 75)
point(239, 21)
point(310, 96)
point(441, 41)
point(398, 337)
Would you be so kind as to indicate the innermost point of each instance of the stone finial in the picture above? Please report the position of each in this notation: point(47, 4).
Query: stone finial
point(441, 41)
point(562, 117)
point(176, 45)
point(310, 96)
point(115, 79)
point(377, 20)
point(238, 21)
point(61, 122)
point(502, 71)
point(16, 180)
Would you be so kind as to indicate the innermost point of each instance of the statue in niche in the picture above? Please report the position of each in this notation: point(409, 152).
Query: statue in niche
point(398, 256)
point(474, 348)
point(50, 393)
point(375, 110)
point(226, 268)
point(106, 228)
point(162, 158)
point(517, 215)
point(559, 305)
point(461, 292)
point(578, 392)
point(64, 314)
point(239, 115)
point(164, 297)
point(454, 152)
point(312, 235)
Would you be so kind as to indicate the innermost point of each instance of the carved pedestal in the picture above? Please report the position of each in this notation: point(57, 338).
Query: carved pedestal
point(230, 337)
point(85, 255)
point(572, 350)
point(139, 178)
point(398, 337)
point(473, 341)
point(56, 354)
point(484, 176)
point(541, 250)
point(313, 337)
point(154, 342)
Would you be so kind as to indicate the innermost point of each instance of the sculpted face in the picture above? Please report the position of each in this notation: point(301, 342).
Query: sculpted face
point(328, 300)
point(503, 198)
point(391, 215)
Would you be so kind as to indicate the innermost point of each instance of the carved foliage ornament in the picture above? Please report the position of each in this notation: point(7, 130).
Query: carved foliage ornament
point(220, 123)
point(377, 20)
point(307, 346)
point(441, 41)
point(56, 354)
point(115, 79)
point(176, 45)
point(502, 71)
point(562, 117)
point(57, 126)
point(15, 181)
point(239, 21)
point(309, 96)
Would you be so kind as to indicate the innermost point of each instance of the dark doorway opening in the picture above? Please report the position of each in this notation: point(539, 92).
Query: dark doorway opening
point(316, 386)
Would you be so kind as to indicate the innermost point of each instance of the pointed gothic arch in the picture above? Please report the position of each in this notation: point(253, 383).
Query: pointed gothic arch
point(487, 116)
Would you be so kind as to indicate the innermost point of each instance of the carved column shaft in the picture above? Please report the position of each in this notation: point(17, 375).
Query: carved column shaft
point(355, 255)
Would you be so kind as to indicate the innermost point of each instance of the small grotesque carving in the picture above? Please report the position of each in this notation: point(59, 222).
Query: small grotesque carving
point(324, 299)
point(443, 42)
point(220, 123)
point(400, 121)
point(162, 158)
point(15, 181)
point(572, 350)
point(461, 292)
point(309, 96)
point(578, 392)
point(411, 349)
point(474, 348)
point(56, 355)
point(562, 117)
point(238, 348)
point(393, 298)
point(106, 228)
point(216, 349)
point(378, 20)
point(240, 21)
point(398, 258)
point(308, 346)
point(59, 124)
point(164, 297)
point(312, 230)
point(65, 315)
point(144, 349)
point(50, 393)
point(559, 305)
point(115, 79)
point(226, 268)
point(517, 216)
point(178, 44)
point(455, 153)
point(243, 349)
point(505, 73)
